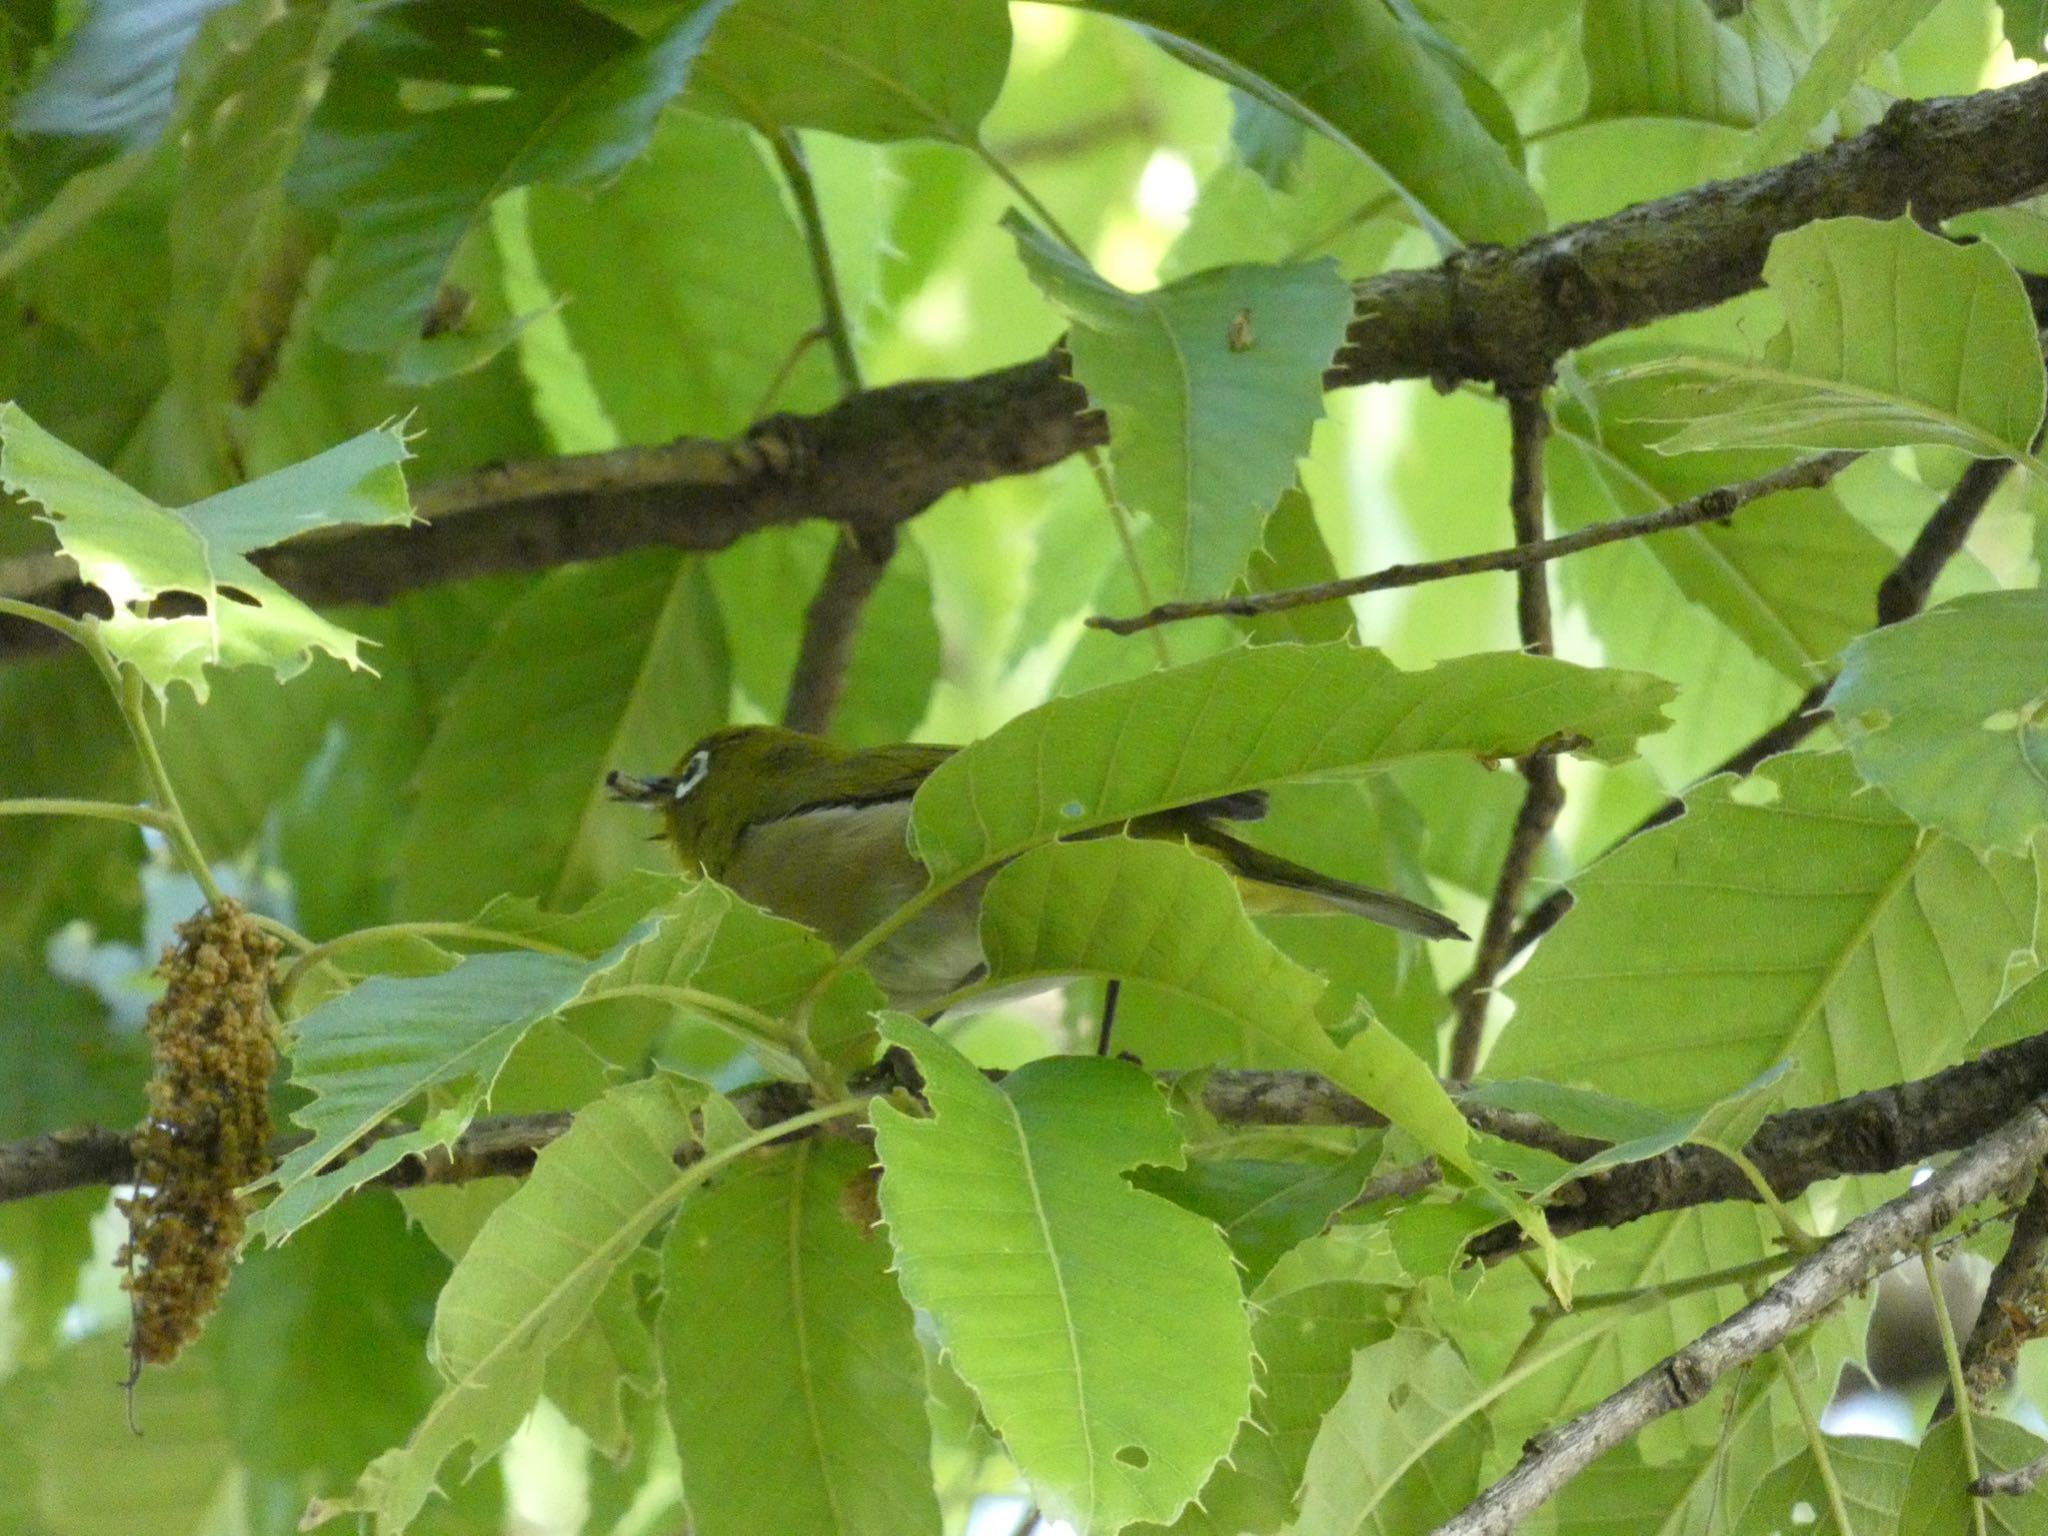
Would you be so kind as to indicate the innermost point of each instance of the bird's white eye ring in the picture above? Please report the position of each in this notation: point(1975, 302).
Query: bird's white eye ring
point(693, 773)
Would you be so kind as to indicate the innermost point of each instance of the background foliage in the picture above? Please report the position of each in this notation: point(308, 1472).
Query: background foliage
point(260, 259)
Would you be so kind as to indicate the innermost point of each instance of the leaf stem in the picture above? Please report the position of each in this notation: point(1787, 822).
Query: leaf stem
point(1952, 1355)
point(796, 170)
point(751, 1025)
point(1026, 196)
point(1816, 1442)
point(36, 613)
point(127, 687)
point(1120, 515)
point(98, 810)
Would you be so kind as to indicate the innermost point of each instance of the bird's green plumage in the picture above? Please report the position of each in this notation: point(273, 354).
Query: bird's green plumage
point(819, 833)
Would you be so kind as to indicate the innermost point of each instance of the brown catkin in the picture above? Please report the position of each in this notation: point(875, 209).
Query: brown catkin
point(208, 1131)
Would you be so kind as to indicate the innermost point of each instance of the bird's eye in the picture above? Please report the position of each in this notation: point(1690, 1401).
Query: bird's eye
point(693, 773)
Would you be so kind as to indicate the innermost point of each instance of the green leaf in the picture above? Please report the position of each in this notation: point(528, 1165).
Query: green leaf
point(612, 664)
point(1793, 576)
point(694, 344)
point(1251, 717)
point(369, 1053)
point(2026, 24)
point(1101, 1327)
point(1937, 1492)
point(1355, 73)
point(1263, 1208)
point(529, 1279)
point(236, 258)
point(1674, 58)
point(1945, 714)
point(1211, 386)
point(1866, 30)
point(1783, 918)
point(1871, 1474)
point(1304, 1341)
point(1401, 1449)
point(863, 68)
point(435, 110)
point(1153, 913)
point(770, 1279)
point(88, 1475)
point(710, 948)
point(135, 550)
point(1941, 349)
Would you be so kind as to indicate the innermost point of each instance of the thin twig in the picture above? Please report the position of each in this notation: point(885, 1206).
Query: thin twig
point(1862, 1250)
point(1529, 427)
point(1713, 506)
point(860, 555)
point(1901, 595)
point(832, 625)
point(2017, 1483)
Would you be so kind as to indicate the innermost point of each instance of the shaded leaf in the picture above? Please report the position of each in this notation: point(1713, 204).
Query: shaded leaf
point(770, 1280)
point(1355, 73)
point(1945, 714)
point(554, 94)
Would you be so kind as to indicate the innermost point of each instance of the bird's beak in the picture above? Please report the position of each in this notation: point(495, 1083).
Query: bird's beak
point(639, 791)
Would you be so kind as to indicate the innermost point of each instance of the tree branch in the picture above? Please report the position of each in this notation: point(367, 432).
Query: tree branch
point(1715, 506)
point(2014, 1311)
point(1856, 1255)
point(1529, 429)
point(1502, 315)
point(1875, 1132)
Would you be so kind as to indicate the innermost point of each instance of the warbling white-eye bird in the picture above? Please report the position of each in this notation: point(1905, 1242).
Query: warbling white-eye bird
point(819, 833)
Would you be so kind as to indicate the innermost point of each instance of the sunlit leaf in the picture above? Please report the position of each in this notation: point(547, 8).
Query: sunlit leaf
point(136, 550)
point(1788, 919)
point(1252, 717)
point(1676, 58)
point(529, 1279)
point(1892, 335)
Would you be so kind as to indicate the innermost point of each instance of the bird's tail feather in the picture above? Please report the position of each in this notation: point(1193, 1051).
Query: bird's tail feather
point(1283, 886)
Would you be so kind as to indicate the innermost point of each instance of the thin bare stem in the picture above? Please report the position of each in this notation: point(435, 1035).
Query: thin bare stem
point(1952, 1357)
point(796, 170)
point(1026, 196)
point(97, 810)
point(1709, 507)
point(859, 556)
point(1529, 425)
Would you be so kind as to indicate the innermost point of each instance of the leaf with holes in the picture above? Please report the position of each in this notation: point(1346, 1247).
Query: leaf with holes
point(136, 550)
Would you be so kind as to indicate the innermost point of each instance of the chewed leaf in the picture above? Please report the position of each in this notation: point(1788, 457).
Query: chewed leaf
point(137, 550)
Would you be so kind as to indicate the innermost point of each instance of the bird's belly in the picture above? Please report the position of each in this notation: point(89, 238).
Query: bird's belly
point(796, 867)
